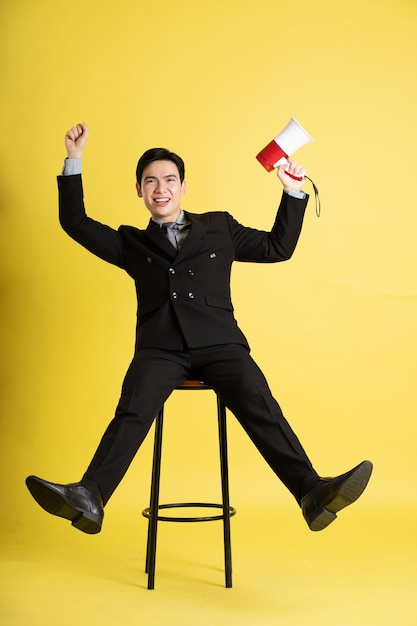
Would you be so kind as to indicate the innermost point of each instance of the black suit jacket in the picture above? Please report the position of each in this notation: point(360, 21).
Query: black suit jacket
point(183, 297)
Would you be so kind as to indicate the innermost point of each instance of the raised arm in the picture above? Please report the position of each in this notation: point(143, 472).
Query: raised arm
point(101, 240)
point(278, 244)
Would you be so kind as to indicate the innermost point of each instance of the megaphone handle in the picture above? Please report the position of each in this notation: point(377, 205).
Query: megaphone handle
point(294, 177)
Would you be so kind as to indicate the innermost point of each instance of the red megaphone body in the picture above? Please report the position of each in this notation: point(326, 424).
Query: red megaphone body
point(279, 149)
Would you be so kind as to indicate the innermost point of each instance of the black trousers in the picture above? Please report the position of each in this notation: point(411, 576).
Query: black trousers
point(231, 371)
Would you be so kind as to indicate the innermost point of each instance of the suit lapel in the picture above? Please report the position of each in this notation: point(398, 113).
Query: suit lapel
point(197, 230)
point(154, 232)
point(199, 226)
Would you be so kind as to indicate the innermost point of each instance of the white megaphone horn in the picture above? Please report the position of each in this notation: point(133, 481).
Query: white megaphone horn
point(279, 149)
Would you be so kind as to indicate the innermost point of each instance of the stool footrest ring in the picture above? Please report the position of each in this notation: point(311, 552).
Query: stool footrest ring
point(180, 505)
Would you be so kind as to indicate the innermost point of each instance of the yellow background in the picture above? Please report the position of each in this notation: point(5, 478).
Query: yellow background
point(333, 329)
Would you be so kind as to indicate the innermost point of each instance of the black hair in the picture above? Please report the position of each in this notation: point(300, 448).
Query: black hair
point(159, 154)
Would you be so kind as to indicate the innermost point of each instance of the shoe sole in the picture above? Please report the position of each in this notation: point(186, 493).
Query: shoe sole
point(349, 491)
point(56, 504)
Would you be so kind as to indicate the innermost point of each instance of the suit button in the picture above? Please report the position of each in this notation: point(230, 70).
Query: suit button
point(148, 259)
point(191, 295)
point(213, 255)
point(171, 270)
point(190, 273)
point(174, 294)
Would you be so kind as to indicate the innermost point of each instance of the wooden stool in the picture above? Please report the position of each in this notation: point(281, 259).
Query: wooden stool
point(152, 512)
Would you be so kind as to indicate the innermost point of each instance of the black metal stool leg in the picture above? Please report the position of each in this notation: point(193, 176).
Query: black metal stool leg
point(154, 501)
point(224, 470)
point(154, 509)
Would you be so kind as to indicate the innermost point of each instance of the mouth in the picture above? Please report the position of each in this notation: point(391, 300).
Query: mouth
point(161, 202)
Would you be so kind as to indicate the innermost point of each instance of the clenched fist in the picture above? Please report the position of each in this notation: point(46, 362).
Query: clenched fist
point(75, 140)
point(294, 168)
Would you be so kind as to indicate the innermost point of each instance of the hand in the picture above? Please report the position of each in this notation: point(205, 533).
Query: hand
point(294, 168)
point(75, 140)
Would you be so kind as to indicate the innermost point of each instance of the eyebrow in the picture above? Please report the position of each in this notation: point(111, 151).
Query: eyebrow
point(147, 178)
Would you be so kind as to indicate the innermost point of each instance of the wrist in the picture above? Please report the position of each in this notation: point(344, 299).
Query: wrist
point(74, 154)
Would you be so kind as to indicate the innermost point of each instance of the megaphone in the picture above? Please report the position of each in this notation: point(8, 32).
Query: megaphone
point(279, 149)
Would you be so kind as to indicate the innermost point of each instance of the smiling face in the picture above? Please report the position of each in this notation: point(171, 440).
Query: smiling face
point(161, 190)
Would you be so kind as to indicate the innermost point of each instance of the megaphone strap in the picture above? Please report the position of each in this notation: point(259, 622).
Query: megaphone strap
point(316, 194)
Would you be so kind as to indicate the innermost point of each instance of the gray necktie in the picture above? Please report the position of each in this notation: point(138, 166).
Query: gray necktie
point(168, 229)
point(176, 233)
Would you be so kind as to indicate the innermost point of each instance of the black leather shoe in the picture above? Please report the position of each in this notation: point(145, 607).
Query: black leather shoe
point(330, 495)
point(73, 502)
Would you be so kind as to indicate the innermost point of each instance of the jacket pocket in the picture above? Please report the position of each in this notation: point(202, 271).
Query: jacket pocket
point(219, 302)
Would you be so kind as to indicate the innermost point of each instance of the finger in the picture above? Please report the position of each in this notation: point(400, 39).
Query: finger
point(74, 132)
point(84, 129)
point(281, 169)
point(297, 169)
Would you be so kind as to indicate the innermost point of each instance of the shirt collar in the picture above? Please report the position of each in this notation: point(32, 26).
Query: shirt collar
point(181, 220)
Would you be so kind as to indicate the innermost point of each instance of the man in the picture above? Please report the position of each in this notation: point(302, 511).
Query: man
point(186, 329)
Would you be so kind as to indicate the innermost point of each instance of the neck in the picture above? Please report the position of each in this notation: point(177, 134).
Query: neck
point(162, 220)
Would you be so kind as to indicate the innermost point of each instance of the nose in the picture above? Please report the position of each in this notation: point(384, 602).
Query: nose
point(160, 186)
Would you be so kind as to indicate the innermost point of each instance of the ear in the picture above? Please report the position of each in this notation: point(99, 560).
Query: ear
point(183, 188)
point(138, 190)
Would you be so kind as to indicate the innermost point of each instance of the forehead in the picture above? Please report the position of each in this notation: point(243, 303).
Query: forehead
point(160, 169)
